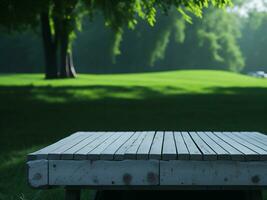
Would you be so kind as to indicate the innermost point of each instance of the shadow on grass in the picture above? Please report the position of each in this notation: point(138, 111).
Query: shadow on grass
point(35, 115)
point(32, 117)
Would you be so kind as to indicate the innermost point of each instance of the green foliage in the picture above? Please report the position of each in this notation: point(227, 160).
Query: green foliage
point(120, 14)
point(161, 44)
point(254, 41)
point(214, 45)
point(116, 42)
point(93, 47)
point(217, 34)
point(21, 15)
point(213, 40)
point(116, 17)
point(66, 16)
point(220, 31)
point(179, 26)
point(172, 24)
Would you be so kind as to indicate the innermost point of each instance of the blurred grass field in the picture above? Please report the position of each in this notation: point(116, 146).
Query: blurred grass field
point(36, 112)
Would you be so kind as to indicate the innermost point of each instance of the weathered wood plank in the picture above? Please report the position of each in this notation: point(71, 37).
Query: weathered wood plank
point(249, 154)
point(43, 153)
point(82, 153)
point(235, 154)
point(151, 147)
point(95, 153)
point(169, 148)
point(141, 145)
point(56, 154)
point(69, 153)
point(207, 152)
point(195, 153)
point(222, 154)
point(131, 152)
point(213, 173)
point(108, 153)
point(38, 173)
point(241, 138)
point(156, 148)
point(256, 142)
point(103, 173)
point(144, 148)
point(182, 151)
point(120, 153)
point(146, 172)
point(260, 136)
point(252, 137)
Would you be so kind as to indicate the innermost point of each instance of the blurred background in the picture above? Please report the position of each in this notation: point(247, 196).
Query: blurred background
point(209, 74)
point(234, 40)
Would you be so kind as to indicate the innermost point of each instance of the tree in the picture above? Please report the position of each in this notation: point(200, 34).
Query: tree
point(210, 41)
point(58, 23)
point(220, 31)
point(59, 19)
point(254, 41)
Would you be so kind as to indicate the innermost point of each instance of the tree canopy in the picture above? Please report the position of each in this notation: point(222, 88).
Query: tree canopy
point(60, 19)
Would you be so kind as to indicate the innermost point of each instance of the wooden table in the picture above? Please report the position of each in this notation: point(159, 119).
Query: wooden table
point(159, 160)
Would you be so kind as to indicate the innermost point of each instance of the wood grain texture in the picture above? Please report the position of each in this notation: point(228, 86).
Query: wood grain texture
point(207, 152)
point(249, 154)
point(108, 153)
point(83, 152)
point(247, 136)
point(69, 153)
point(131, 152)
point(249, 144)
point(234, 153)
point(222, 154)
point(57, 153)
point(43, 153)
point(157, 145)
point(182, 151)
point(37, 173)
point(169, 148)
point(152, 158)
point(102, 172)
point(210, 173)
point(156, 148)
point(120, 153)
point(145, 146)
point(95, 153)
point(194, 152)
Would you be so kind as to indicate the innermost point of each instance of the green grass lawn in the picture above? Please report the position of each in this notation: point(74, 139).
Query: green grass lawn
point(36, 112)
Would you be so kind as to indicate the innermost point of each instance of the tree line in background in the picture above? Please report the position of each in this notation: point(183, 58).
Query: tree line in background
point(221, 40)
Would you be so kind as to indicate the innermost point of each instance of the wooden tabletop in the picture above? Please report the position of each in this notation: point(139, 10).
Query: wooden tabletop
point(158, 145)
point(152, 159)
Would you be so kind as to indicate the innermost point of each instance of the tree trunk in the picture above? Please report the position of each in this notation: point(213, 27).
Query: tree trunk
point(67, 69)
point(58, 57)
point(72, 71)
point(50, 48)
point(63, 51)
